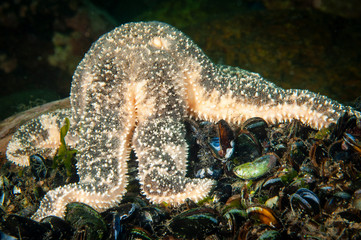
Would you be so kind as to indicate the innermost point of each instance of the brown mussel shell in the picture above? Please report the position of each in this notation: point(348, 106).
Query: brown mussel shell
point(264, 215)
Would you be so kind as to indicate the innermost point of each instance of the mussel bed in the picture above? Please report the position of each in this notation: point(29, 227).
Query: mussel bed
point(282, 181)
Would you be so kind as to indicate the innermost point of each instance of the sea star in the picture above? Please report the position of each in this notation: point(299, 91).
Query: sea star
point(133, 89)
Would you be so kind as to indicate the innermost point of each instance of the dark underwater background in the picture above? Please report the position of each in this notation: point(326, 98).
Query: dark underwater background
point(307, 44)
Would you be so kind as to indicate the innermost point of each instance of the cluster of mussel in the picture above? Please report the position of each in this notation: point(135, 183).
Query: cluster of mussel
point(285, 181)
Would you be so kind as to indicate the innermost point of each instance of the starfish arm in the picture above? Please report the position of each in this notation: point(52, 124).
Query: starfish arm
point(275, 104)
point(239, 94)
point(102, 172)
point(104, 113)
point(40, 135)
point(162, 153)
point(99, 197)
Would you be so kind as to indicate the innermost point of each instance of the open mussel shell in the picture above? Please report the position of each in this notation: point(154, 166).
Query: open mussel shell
point(307, 200)
point(257, 168)
point(264, 215)
point(222, 146)
point(318, 154)
point(88, 223)
point(226, 139)
point(119, 216)
point(345, 122)
point(247, 147)
point(353, 141)
point(195, 223)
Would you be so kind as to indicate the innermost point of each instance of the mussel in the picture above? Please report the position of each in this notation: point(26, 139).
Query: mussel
point(257, 168)
point(264, 215)
point(87, 222)
point(195, 223)
point(307, 200)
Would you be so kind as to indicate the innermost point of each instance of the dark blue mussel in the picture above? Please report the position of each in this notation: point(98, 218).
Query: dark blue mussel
point(196, 223)
point(132, 221)
point(307, 200)
point(87, 222)
point(257, 126)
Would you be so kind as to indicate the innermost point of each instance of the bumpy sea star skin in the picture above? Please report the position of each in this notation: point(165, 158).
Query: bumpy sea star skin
point(133, 89)
point(41, 136)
